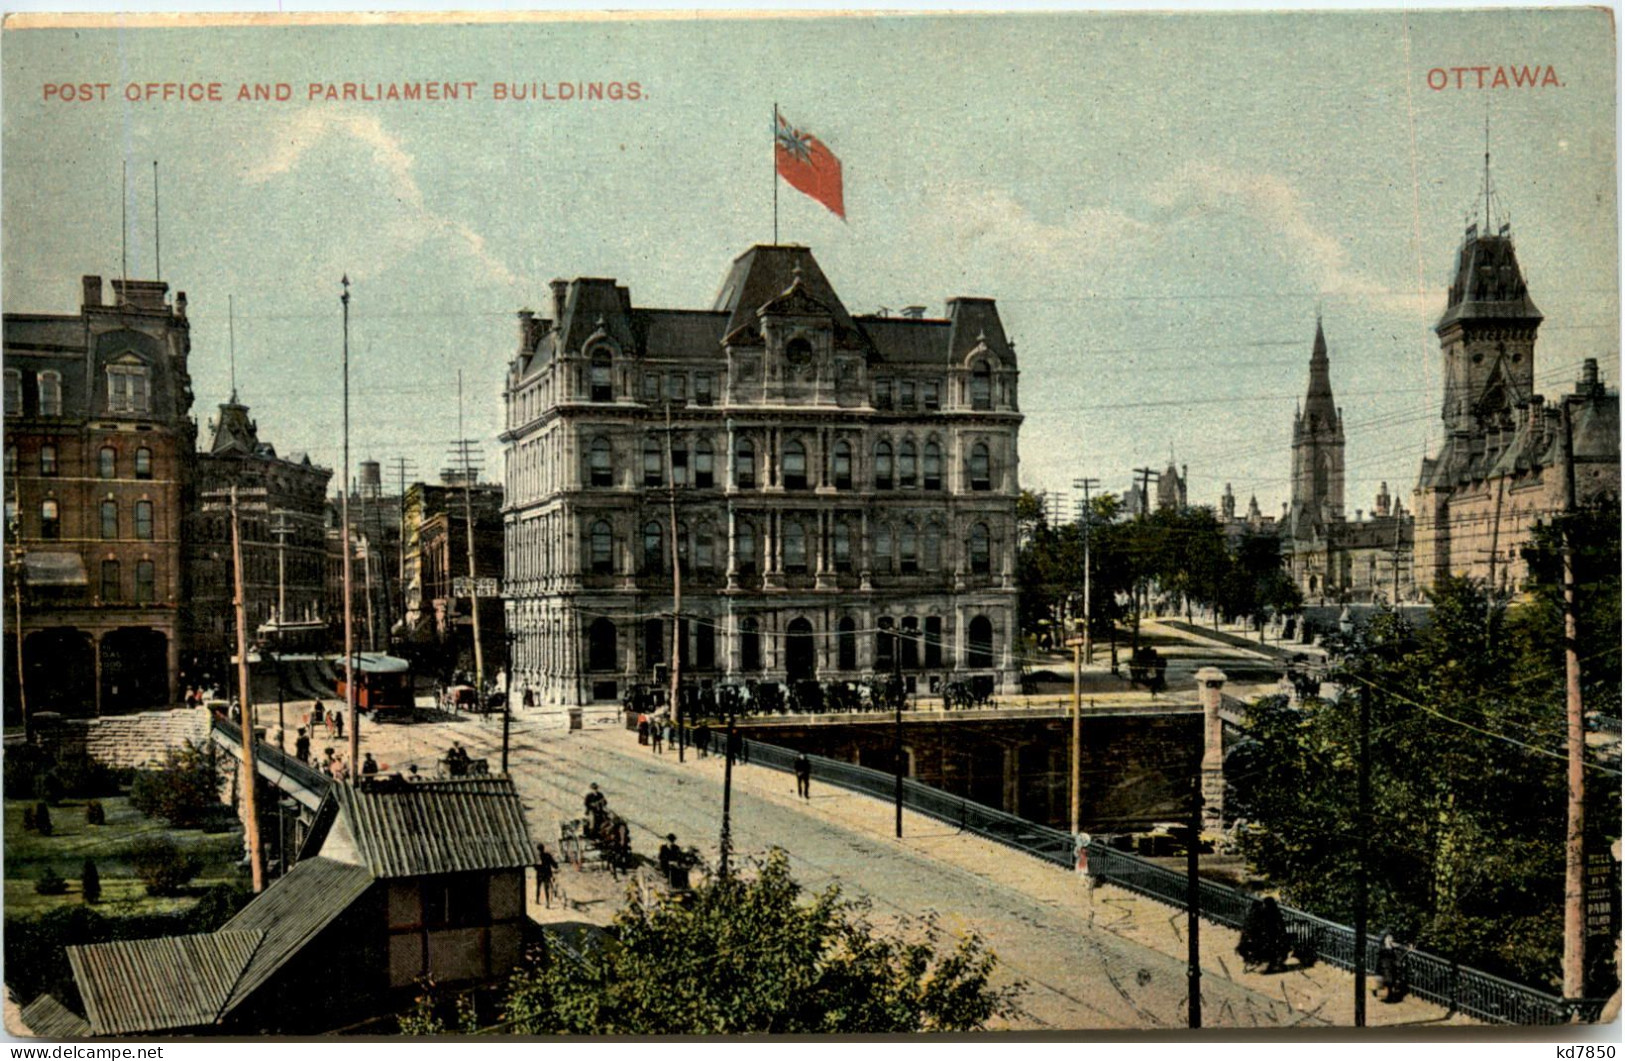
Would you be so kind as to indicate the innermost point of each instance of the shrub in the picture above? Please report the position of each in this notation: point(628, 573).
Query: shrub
point(28, 819)
point(42, 819)
point(48, 787)
point(218, 905)
point(90, 882)
point(185, 793)
point(23, 763)
point(51, 883)
point(162, 866)
point(75, 773)
point(95, 813)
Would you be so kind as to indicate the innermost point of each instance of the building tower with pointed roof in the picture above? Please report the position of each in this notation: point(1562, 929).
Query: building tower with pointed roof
point(1317, 450)
point(1500, 470)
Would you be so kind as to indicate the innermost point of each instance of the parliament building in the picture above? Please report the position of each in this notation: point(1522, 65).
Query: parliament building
point(840, 489)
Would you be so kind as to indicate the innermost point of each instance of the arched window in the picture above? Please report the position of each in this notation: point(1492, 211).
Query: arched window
point(750, 646)
point(143, 520)
point(745, 548)
point(981, 386)
point(601, 460)
point(603, 549)
point(653, 553)
point(795, 548)
point(603, 389)
point(842, 465)
point(50, 525)
point(885, 645)
point(882, 562)
point(981, 560)
point(47, 459)
point(843, 547)
point(50, 394)
point(109, 519)
point(143, 463)
point(704, 548)
point(654, 461)
point(980, 479)
point(908, 549)
point(146, 582)
point(745, 462)
point(979, 651)
point(705, 465)
point(795, 465)
point(883, 469)
point(909, 642)
point(601, 645)
point(933, 546)
point(933, 466)
point(107, 463)
point(907, 464)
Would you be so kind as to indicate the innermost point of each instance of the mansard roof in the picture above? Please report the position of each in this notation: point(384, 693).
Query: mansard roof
point(1488, 285)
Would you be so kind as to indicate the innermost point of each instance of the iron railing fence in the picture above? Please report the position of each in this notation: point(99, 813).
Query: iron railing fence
point(274, 758)
point(1473, 992)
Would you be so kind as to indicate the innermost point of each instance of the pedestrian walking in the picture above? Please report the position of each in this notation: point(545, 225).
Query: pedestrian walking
point(301, 746)
point(1390, 970)
point(338, 725)
point(643, 729)
point(803, 776)
point(670, 859)
point(657, 736)
point(1264, 940)
point(369, 766)
point(546, 866)
point(702, 740)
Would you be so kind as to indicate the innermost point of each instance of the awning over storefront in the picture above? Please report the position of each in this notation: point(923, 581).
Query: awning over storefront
point(54, 569)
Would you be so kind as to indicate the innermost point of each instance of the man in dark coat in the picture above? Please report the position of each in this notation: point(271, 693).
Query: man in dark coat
point(301, 747)
point(546, 867)
point(803, 776)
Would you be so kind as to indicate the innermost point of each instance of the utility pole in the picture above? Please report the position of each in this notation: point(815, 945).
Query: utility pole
point(251, 821)
point(1193, 905)
point(1086, 485)
point(725, 844)
point(18, 555)
point(463, 446)
point(677, 631)
point(1073, 780)
point(344, 546)
point(402, 467)
point(1574, 849)
point(1147, 475)
point(1362, 827)
point(897, 731)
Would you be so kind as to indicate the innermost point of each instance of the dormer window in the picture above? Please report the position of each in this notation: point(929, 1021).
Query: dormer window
point(603, 388)
point(127, 387)
point(981, 386)
point(798, 352)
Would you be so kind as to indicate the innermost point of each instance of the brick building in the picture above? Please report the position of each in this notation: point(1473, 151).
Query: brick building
point(281, 516)
point(843, 487)
point(437, 622)
point(99, 445)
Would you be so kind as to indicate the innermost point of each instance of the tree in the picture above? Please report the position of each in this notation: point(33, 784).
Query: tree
point(1467, 787)
point(161, 865)
point(750, 954)
point(185, 793)
point(90, 882)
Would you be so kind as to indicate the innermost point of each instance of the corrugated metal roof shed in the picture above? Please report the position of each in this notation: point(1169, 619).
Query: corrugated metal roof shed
point(164, 984)
point(50, 1019)
point(427, 827)
point(290, 913)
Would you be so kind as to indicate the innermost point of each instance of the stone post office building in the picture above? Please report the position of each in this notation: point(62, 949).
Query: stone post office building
point(844, 487)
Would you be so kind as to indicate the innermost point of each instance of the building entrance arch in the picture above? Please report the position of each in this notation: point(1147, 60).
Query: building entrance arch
point(135, 669)
point(800, 652)
point(59, 669)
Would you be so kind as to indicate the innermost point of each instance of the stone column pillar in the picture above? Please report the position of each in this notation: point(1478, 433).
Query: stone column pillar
point(1210, 688)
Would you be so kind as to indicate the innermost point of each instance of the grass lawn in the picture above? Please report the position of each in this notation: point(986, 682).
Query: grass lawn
point(122, 896)
point(28, 854)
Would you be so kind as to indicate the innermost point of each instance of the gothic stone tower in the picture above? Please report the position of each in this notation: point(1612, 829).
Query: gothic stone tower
point(1487, 336)
point(1317, 451)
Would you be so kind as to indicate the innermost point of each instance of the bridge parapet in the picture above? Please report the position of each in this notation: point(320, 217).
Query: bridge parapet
point(299, 781)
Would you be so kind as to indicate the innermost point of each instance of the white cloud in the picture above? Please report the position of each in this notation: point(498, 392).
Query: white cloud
point(414, 222)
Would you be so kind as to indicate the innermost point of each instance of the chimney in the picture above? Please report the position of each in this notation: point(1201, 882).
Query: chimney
point(1590, 382)
point(527, 329)
point(93, 291)
point(560, 289)
point(372, 482)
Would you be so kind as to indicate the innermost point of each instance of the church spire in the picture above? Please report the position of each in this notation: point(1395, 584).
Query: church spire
point(1318, 405)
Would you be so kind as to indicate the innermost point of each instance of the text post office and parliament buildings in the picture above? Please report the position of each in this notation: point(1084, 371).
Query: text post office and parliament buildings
point(843, 488)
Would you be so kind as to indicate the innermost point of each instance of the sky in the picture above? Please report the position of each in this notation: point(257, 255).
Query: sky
point(1160, 204)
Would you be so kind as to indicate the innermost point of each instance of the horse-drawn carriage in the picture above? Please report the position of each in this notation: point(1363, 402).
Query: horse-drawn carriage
point(599, 842)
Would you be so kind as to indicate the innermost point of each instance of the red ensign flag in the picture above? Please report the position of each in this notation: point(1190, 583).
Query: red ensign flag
point(809, 167)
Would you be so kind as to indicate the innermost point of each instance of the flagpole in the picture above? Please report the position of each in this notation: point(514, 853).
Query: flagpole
point(775, 173)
